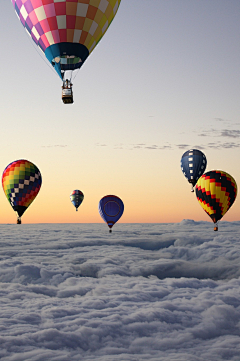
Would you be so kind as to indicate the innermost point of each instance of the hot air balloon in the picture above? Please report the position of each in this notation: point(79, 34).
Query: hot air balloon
point(67, 31)
point(111, 209)
point(76, 198)
point(21, 181)
point(216, 191)
point(193, 165)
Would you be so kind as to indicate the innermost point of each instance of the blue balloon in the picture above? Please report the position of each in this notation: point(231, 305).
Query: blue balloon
point(193, 165)
point(111, 209)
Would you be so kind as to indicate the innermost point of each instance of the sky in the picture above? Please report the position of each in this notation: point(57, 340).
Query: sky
point(145, 292)
point(164, 79)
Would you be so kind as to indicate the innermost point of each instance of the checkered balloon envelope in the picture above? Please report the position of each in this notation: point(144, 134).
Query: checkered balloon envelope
point(21, 181)
point(66, 31)
point(193, 165)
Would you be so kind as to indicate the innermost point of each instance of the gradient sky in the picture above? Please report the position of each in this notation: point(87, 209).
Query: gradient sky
point(164, 79)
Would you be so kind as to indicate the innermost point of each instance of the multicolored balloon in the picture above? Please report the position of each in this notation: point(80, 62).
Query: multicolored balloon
point(111, 209)
point(216, 192)
point(193, 165)
point(76, 198)
point(21, 181)
point(67, 31)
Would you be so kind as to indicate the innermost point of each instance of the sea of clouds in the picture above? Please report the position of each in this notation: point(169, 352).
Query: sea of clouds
point(71, 292)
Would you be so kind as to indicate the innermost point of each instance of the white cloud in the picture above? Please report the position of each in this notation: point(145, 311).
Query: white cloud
point(145, 292)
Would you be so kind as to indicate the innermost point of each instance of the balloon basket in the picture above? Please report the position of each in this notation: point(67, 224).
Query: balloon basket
point(67, 93)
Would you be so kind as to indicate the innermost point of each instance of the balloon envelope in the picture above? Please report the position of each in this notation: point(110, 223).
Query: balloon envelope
point(111, 209)
point(67, 31)
point(21, 181)
point(76, 198)
point(193, 165)
point(216, 191)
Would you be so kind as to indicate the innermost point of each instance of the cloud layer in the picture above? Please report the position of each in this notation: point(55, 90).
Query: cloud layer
point(144, 292)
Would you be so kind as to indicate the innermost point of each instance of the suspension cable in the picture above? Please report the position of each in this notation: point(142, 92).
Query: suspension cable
point(40, 52)
point(76, 73)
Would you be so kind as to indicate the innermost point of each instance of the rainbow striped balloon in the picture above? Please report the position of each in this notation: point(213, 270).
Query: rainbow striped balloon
point(21, 181)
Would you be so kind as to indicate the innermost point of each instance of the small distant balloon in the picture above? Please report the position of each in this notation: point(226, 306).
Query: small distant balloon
point(216, 192)
point(111, 209)
point(21, 181)
point(193, 165)
point(76, 198)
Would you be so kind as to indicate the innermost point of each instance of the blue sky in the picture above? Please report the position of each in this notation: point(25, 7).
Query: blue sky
point(164, 79)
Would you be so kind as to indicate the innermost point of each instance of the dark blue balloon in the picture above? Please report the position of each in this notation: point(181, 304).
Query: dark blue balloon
point(193, 165)
point(111, 209)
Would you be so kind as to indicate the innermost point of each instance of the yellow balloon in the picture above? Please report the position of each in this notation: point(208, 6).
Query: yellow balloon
point(216, 191)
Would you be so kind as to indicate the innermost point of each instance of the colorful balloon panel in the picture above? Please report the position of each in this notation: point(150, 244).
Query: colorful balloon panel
point(67, 31)
point(76, 198)
point(21, 181)
point(216, 191)
point(193, 165)
point(111, 209)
